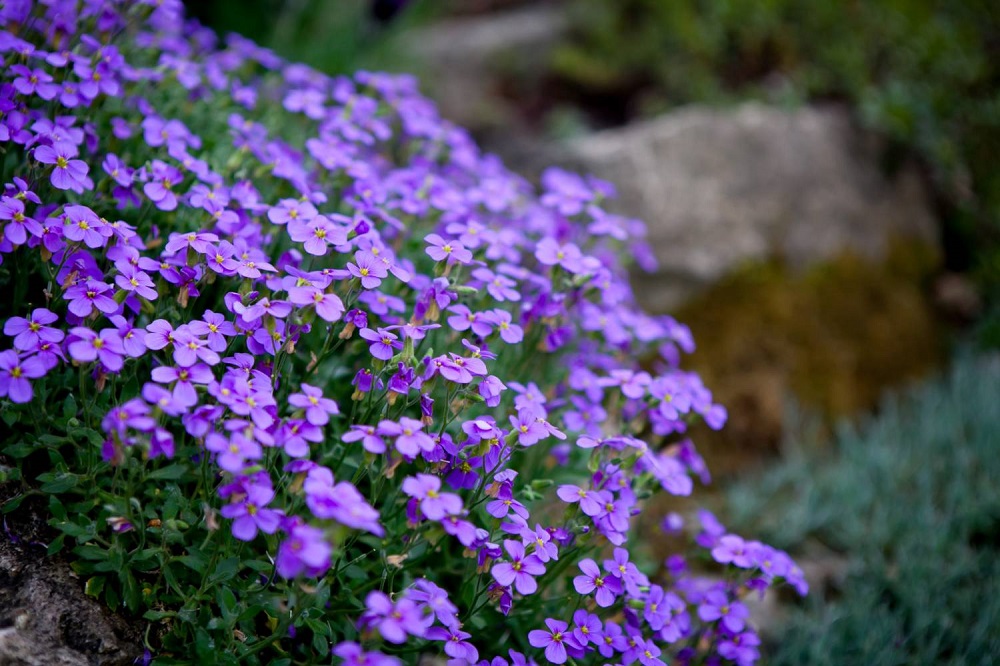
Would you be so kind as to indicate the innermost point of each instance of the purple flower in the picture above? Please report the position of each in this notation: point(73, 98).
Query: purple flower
point(629, 575)
point(184, 379)
point(85, 345)
point(369, 269)
point(435, 599)
point(232, 452)
point(216, 327)
point(69, 173)
point(732, 549)
point(552, 640)
point(329, 307)
point(317, 234)
point(510, 332)
point(455, 643)
point(613, 640)
point(434, 504)
point(352, 655)
point(490, 389)
point(520, 570)
point(131, 279)
point(133, 414)
point(740, 648)
point(393, 620)
point(590, 500)
point(463, 319)
point(15, 373)
point(368, 437)
point(304, 551)
point(251, 514)
point(586, 628)
point(717, 606)
point(83, 225)
point(528, 429)
point(410, 440)
point(30, 332)
point(451, 251)
point(20, 225)
point(383, 342)
point(318, 409)
point(608, 588)
point(499, 287)
point(90, 294)
point(159, 189)
point(159, 334)
point(550, 253)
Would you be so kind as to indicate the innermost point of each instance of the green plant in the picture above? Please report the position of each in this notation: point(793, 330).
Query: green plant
point(910, 499)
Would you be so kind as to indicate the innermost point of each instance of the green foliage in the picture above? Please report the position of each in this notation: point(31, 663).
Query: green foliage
point(337, 37)
point(911, 499)
point(923, 72)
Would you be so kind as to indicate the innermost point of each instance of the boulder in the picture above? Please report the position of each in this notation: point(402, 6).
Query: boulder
point(719, 188)
point(465, 59)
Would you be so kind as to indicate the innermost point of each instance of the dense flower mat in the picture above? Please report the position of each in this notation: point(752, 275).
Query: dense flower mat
point(298, 369)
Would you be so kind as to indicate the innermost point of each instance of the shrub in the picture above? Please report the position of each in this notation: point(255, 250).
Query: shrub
point(911, 500)
point(296, 368)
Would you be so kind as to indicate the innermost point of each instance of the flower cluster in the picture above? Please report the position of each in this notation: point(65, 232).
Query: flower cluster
point(312, 307)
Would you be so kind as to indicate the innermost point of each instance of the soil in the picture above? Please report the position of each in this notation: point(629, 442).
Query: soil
point(45, 617)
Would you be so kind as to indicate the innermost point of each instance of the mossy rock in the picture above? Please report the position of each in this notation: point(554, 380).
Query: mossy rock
point(831, 339)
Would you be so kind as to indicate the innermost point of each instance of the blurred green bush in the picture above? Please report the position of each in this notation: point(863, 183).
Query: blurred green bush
point(334, 36)
point(926, 73)
point(911, 499)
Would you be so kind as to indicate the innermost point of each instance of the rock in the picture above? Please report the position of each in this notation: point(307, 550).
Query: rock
point(720, 188)
point(467, 57)
point(47, 620)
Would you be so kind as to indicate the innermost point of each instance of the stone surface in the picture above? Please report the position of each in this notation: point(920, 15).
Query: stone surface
point(719, 188)
point(465, 57)
point(45, 617)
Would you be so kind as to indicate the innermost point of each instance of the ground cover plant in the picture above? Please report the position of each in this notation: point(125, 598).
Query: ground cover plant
point(300, 374)
point(910, 500)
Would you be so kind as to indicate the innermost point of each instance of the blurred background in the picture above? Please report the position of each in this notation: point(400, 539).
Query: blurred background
point(821, 186)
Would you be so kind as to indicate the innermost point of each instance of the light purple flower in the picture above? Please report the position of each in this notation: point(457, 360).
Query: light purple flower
point(383, 342)
point(15, 373)
point(607, 587)
point(434, 504)
point(553, 640)
point(305, 550)
point(251, 514)
point(318, 409)
point(69, 173)
point(85, 345)
point(443, 250)
point(520, 571)
point(30, 332)
point(369, 269)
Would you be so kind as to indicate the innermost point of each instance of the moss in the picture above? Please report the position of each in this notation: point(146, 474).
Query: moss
point(833, 339)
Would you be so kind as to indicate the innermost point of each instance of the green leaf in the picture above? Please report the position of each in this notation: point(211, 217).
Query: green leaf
point(91, 552)
point(170, 472)
point(20, 450)
point(227, 602)
point(196, 561)
point(69, 406)
point(60, 482)
point(225, 570)
point(155, 615)
point(94, 586)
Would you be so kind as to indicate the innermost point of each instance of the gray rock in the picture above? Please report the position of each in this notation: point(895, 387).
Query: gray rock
point(718, 188)
point(465, 57)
